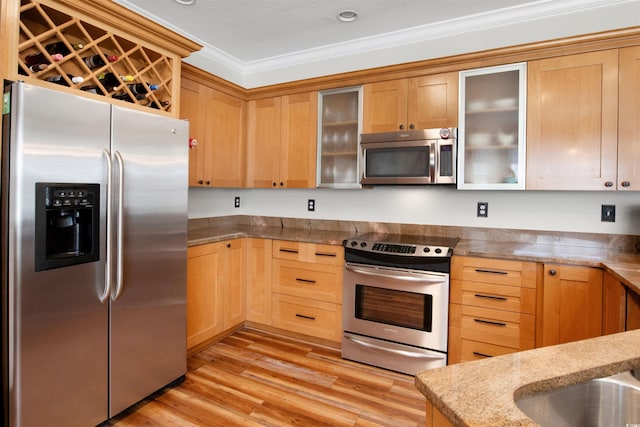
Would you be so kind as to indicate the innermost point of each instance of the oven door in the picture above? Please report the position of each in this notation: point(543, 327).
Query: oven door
point(393, 304)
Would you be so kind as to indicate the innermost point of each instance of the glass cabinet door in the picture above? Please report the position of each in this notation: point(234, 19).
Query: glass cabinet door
point(339, 128)
point(491, 134)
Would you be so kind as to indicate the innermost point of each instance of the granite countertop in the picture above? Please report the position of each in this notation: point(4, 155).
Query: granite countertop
point(481, 393)
point(624, 266)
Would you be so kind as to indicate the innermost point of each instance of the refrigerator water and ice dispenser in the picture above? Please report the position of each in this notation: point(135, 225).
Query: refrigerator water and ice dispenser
point(67, 224)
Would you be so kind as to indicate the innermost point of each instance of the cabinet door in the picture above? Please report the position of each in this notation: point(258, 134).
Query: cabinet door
point(204, 294)
point(385, 106)
point(613, 305)
point(572, 303)
point(259, 280)
point(232, 274)
point(225, 140)
point(263, 143)
point(572, 124)
point(298, 140)
point(193, 107)
point(433, 101)
point(628, 124)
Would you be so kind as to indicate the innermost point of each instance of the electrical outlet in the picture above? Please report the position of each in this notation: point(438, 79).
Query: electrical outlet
point(311, 205)
point(483, 209)
point(608, 213)
point(236, 202)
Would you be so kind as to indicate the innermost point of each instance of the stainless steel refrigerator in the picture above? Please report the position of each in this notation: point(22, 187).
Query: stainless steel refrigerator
point(94, 236)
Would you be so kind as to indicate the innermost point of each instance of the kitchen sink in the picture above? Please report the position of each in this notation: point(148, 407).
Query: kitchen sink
point(608, 401)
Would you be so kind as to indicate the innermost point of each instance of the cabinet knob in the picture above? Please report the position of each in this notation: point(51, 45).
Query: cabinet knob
point(626, 184)
point(228, 245)
point(608, 184)
point(411, 126)
point(200, 182)
point(281, 184)
point(208, 182)
point(401, 127)
point(553, 272)
point(274, 184)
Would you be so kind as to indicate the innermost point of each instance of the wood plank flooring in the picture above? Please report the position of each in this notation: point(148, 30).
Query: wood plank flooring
point(253, 378)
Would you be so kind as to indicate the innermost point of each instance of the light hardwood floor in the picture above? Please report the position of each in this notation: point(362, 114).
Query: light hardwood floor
point(253, 378)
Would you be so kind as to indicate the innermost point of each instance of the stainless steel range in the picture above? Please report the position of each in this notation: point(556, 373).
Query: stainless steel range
point(396, 301)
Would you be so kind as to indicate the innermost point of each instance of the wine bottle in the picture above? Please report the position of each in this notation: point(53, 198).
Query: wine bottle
point(141, 89)
point(61, 48)
point(122, 96)
point(97, 61)
point(60, 80)
point(40, 58)
point(93, 89)
point(154, 104)
point(109, 81)
point(126, 78)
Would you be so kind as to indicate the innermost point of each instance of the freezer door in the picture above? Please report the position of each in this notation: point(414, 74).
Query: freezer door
point(148, 309)
point(57, 325)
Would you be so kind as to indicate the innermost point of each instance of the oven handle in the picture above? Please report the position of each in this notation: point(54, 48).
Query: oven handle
point(397, 274)
point(430, 356)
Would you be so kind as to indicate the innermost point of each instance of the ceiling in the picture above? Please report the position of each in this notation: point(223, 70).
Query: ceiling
point(254, 35)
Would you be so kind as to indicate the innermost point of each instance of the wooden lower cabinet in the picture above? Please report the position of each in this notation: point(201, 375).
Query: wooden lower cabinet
point(434, 417)
point(492, 307)
point(259, 280)
point(571, 304)
point(216, 286)
point(620, 305)
point(307, 289)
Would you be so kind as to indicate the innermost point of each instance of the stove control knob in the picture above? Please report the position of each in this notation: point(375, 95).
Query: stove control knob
point(438, 250)
point(363, 244)
point(354, 243)
point(426, 250)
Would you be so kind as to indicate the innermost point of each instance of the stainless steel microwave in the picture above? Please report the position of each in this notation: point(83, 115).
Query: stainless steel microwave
point(426, 156)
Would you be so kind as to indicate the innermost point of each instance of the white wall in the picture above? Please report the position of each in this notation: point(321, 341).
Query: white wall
point(530, 210)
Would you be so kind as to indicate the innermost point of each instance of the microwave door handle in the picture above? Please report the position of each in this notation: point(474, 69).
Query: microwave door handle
point(433, 170)
point(430, 356)
point(398, 275)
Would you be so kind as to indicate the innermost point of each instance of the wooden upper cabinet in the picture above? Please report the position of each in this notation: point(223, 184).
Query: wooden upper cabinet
point(281, 141)
point(571, 304)
point(417, 103)
point(216, 122)
point(628, 123)
point(572, 122)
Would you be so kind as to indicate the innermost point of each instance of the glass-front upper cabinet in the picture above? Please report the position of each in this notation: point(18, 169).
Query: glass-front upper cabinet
point(491, 133)
point(339, 128)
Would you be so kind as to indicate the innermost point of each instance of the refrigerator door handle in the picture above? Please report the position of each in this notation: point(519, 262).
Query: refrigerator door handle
point(107, 272)
point(120, 228)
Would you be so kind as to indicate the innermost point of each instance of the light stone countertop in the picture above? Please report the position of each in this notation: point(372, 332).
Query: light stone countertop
point(481, 393)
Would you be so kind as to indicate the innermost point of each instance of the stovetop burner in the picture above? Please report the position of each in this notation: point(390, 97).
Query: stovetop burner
point(403, 245)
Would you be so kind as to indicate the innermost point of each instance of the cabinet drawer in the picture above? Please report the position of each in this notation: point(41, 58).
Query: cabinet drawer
point(489, 295)
point(315, 281)
point(474, 350)
point(496, 271)
point(308, 252)
point(498, 327)
point(310, 317)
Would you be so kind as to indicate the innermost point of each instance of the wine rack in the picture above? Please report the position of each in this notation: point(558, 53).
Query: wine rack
point(49, 28)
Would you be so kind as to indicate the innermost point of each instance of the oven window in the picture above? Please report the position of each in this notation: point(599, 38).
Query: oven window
point(397, 162)
point(397, 308)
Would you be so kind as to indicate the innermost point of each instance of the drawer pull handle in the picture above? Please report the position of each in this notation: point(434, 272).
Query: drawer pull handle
point(489, 322)
point(481, 270)
point(298, 279)
point(302, 316)
point(482, 354)
point(491, 297)
point(289, 251)
point(330, 254)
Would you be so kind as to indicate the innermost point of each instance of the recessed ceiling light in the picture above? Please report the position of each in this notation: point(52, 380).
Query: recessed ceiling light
point(185, 2)
point(347, 16)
